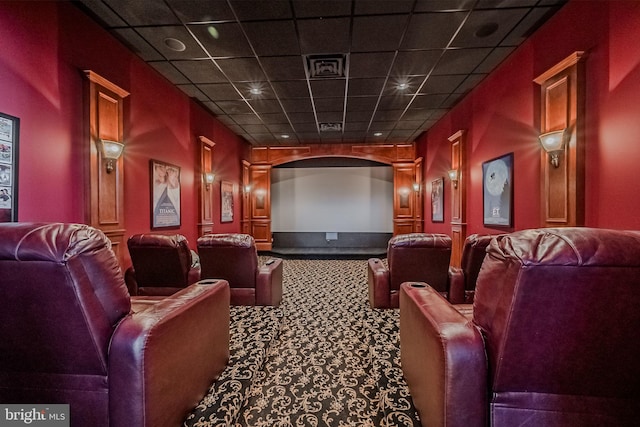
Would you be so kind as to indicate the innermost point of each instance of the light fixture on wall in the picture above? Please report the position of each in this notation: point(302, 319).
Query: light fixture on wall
point(111, 152)
point(208, 179)
point(553, 144)
point(416, 187)
point(247, 188)
point(453, 176)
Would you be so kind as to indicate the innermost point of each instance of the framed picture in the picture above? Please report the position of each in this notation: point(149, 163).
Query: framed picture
point(9, 132)
point(497, 191)
point(437, 200)
point(226, 194)
point(165, 195)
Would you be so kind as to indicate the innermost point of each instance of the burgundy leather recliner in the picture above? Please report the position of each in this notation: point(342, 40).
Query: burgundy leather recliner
point(70, 332)
point(553, 339)
point(162, 264)
point(411, 257)
point(234, 257)
point(462, 280)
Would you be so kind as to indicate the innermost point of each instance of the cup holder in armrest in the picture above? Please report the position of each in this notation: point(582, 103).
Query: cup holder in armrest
point(418, 285)
point(208, 282)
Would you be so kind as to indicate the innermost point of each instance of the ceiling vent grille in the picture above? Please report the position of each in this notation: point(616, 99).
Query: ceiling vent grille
point(326, 66)
point(330, 127)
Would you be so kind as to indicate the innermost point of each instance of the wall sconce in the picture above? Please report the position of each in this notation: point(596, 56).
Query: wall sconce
point(208, 179)
point(247, 189)
point(416, 187)
point(553, 144)
point(453, 176)
point(111, 151)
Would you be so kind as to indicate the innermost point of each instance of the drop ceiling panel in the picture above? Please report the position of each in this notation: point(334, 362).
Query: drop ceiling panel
point(405, 63)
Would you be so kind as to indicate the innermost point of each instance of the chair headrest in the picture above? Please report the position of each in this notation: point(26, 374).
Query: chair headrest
point(227, 240)
point(157, 240)
point(55, 242)
point(420, 240)
point(571, 246)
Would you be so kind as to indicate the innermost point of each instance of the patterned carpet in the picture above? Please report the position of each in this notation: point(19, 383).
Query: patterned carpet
point(323, 358)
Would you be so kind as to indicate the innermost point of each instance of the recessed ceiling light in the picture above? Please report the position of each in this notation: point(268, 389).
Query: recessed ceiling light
point(403, 86)
point(255, 91)
point(174, 44)
point(377, 134)
point(284, 136)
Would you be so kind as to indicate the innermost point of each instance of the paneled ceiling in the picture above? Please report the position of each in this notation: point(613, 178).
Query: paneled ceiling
point(286, 72)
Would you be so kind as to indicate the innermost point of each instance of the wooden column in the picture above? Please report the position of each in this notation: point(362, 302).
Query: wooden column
point(458, 196)
point(562, 107)
point(205, 221)
point(418, 226)
point(403, 198)
point(245, 222)
point(260, 202)
point(105, 189)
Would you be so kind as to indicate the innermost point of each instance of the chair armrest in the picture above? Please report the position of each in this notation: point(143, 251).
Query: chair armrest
point(130, 281)
point(269, 283)
point(456, 285)
point(378, 281)
point(443, 359)
point(166, 353)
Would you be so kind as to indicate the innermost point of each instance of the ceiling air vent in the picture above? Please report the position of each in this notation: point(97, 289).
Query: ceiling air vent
point(326, 66)
point(330, 127)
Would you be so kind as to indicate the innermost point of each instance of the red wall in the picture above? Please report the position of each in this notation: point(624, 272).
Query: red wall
point(501, 116)
point(45, 47)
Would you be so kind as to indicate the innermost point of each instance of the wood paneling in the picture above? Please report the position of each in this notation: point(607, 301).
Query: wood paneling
point(260, 202)
point(384, 153)
point(205, 223)
point(562, 107)
point(245, 221)
point(105, 190)
point(458, 196)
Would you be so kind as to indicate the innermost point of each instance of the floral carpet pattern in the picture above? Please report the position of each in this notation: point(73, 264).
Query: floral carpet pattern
point(323, 358)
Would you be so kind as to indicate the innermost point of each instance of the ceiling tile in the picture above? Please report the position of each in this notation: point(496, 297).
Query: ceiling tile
point(291, 89)
point(359, 116)
point(242, 69)
point(329, 104)
point(193, 92)
point(253, 129)
point(266, 105)
point(397, 102)
point(432, 30)
point(201, 10)
point(220, 92)
point(527, 26)
point(136, 43)
point(148, 12)
point(368, 37)
point(247, 119)
point(494, 59)
point(297, 105)
point(170, 72)
point(362, 103)
point(470, 82)
point(203, 71)
point(329, 116)
point(419, 62)
point(442, 84)
point(365, 87)
point(306, 8)
point(234, 107)
point(255, 10)
point(366, 65)
point(428, 101)
point(103, 13)
point(158, 37)
point(283, 67)
point(486, 28)
point(302, 118)
point(222, 40)
point(274, 118)
point(460, 61)
point(319, 36)
point(443, 5)
point(382, 7)
point(328, 88)
point(272, 37)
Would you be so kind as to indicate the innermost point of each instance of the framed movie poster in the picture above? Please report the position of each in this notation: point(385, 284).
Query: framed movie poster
point(437, 200)
point(9, 132)
point(165, 195)
point(497, 196)
point(226, 193)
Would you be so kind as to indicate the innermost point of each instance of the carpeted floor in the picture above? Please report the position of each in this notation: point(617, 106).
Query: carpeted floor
point(323, 358)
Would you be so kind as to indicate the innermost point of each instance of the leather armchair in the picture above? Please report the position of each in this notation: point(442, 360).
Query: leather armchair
point(234, 257)
point(162, 265)
point(410, 257)
point(462, 280)
point(553, 339)
point(72, 334)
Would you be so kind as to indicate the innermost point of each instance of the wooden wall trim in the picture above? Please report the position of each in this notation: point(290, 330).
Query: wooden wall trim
point(98, 79)
point(383, 153)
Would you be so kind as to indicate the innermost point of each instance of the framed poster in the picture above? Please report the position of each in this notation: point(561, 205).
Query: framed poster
point(497, 191)
point(226, 194)
point(437, 200)
point(9, 132)
point(165, 195)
